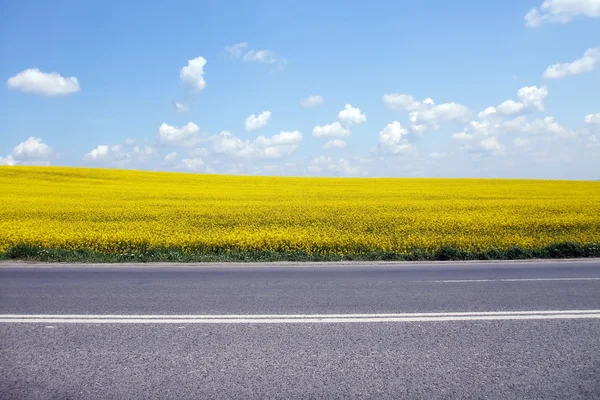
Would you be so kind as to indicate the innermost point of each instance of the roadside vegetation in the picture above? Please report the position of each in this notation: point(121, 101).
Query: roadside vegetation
point(94, 215)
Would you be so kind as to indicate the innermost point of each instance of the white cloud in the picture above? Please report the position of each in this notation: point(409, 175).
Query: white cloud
point(561, 11)
point(312, 101)
point(193, 74)
point(262, 147)
point(343, 167)
point(478, 131)
point(262, 56)
point(544, 126)
point(437, 156)
point(34, 81)
point(351, 115)
point(426, 114)
point(435, 114)
point(313, 168)
point(8, 160)
point(241, 51)
point(393, 138)
point(283, 138)
point(181, 107)
point(334, 130)
point(530, 97)
point(129, 141)
point(116, 155)
point(236, 50)
point(33, 149)
point(201, 151)
point(140, 153)
point(254, 122)
point(547, 125)
point(335, 144)
point(171, 156)
point(487, 112)
point(191, 164)
point(226, 143)
point(462, 136)
point(100, 153)
point(404, 102)
point(509, 107)
point(321, 160)
point(587, 63)
point(591, 119)
point(490, 144)
point(172, 135)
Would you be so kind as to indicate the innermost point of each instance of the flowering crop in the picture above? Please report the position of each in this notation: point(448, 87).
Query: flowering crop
point(115, 211)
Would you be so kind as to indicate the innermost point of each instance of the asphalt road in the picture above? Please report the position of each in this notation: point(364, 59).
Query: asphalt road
point(466, 330)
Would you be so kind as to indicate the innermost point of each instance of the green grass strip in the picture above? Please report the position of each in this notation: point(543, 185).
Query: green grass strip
point(174, 255)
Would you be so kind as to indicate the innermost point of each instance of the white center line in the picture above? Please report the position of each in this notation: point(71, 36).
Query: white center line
point(509, 280)
point(299, 318)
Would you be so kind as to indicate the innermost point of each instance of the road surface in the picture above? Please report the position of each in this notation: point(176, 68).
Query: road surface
point(426, 330)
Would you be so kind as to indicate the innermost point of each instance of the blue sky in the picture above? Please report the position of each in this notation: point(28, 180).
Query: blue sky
point(97, 84)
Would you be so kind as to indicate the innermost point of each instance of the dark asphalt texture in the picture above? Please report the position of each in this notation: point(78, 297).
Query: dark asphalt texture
point(454, 359)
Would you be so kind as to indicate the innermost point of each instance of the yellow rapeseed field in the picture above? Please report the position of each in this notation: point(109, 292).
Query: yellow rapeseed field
point(115, 211)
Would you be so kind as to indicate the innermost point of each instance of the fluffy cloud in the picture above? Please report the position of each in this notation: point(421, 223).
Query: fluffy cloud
point(530, 97)
point(180, 107)
point(191, 164)
point(490, 144)
point(544, 126)
point(392, 138)
point(405, 102)
point(262, 147)
point(334, 130)
point(100, 153)
point(587, 63)
point(236, 50)
point(33, 149)
point(34, 81)
point(342, 167)
point(592, 119)
point(335, 144)
point(478, 132)
point(312, 101)
point(351, 115)
point(426, 114)
point(193, 74)
point(433, 115)
point(486, 145)
point(509, 107)
point(172, 135)
point(283, 138)
point(462, 136)
point(8, 160)
point(320, 160)
point(240, 50)
point(262, 56)
point(561, 11)
point(171, 156)
point(116, 155)
point(254, 122)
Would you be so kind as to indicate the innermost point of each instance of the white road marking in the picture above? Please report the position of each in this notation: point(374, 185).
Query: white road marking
point(300, 318)
point(510, 280)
